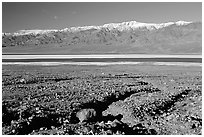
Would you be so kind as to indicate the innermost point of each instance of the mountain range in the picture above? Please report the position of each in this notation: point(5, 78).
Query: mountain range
point(179, 37)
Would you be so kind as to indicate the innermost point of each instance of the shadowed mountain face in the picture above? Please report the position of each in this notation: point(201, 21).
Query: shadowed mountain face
point(109, 38)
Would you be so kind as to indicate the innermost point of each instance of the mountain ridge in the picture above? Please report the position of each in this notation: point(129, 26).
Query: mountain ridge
point(126, 37)
point(130, 24)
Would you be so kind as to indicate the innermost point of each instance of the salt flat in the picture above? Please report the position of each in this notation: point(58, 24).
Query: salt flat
point(186, 64)
point(98, 56)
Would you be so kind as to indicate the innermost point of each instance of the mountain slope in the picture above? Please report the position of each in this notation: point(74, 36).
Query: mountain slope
point(127, 37)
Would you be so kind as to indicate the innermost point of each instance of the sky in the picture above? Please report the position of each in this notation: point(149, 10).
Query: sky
point(60, 15)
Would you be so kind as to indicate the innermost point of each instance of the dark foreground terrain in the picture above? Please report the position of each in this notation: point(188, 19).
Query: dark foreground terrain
point(118, 99)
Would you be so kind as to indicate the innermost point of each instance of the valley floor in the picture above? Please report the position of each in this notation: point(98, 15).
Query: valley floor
point(126, 99)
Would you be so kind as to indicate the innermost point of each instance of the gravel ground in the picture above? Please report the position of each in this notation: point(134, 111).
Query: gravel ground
point(101, 100)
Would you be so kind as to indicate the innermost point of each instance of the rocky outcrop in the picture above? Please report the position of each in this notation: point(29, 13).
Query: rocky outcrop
point(86, 114)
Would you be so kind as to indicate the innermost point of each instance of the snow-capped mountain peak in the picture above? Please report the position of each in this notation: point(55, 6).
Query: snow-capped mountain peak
point(182, 22)
point(136, 25)
point(120, 26)
point(27, 32)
